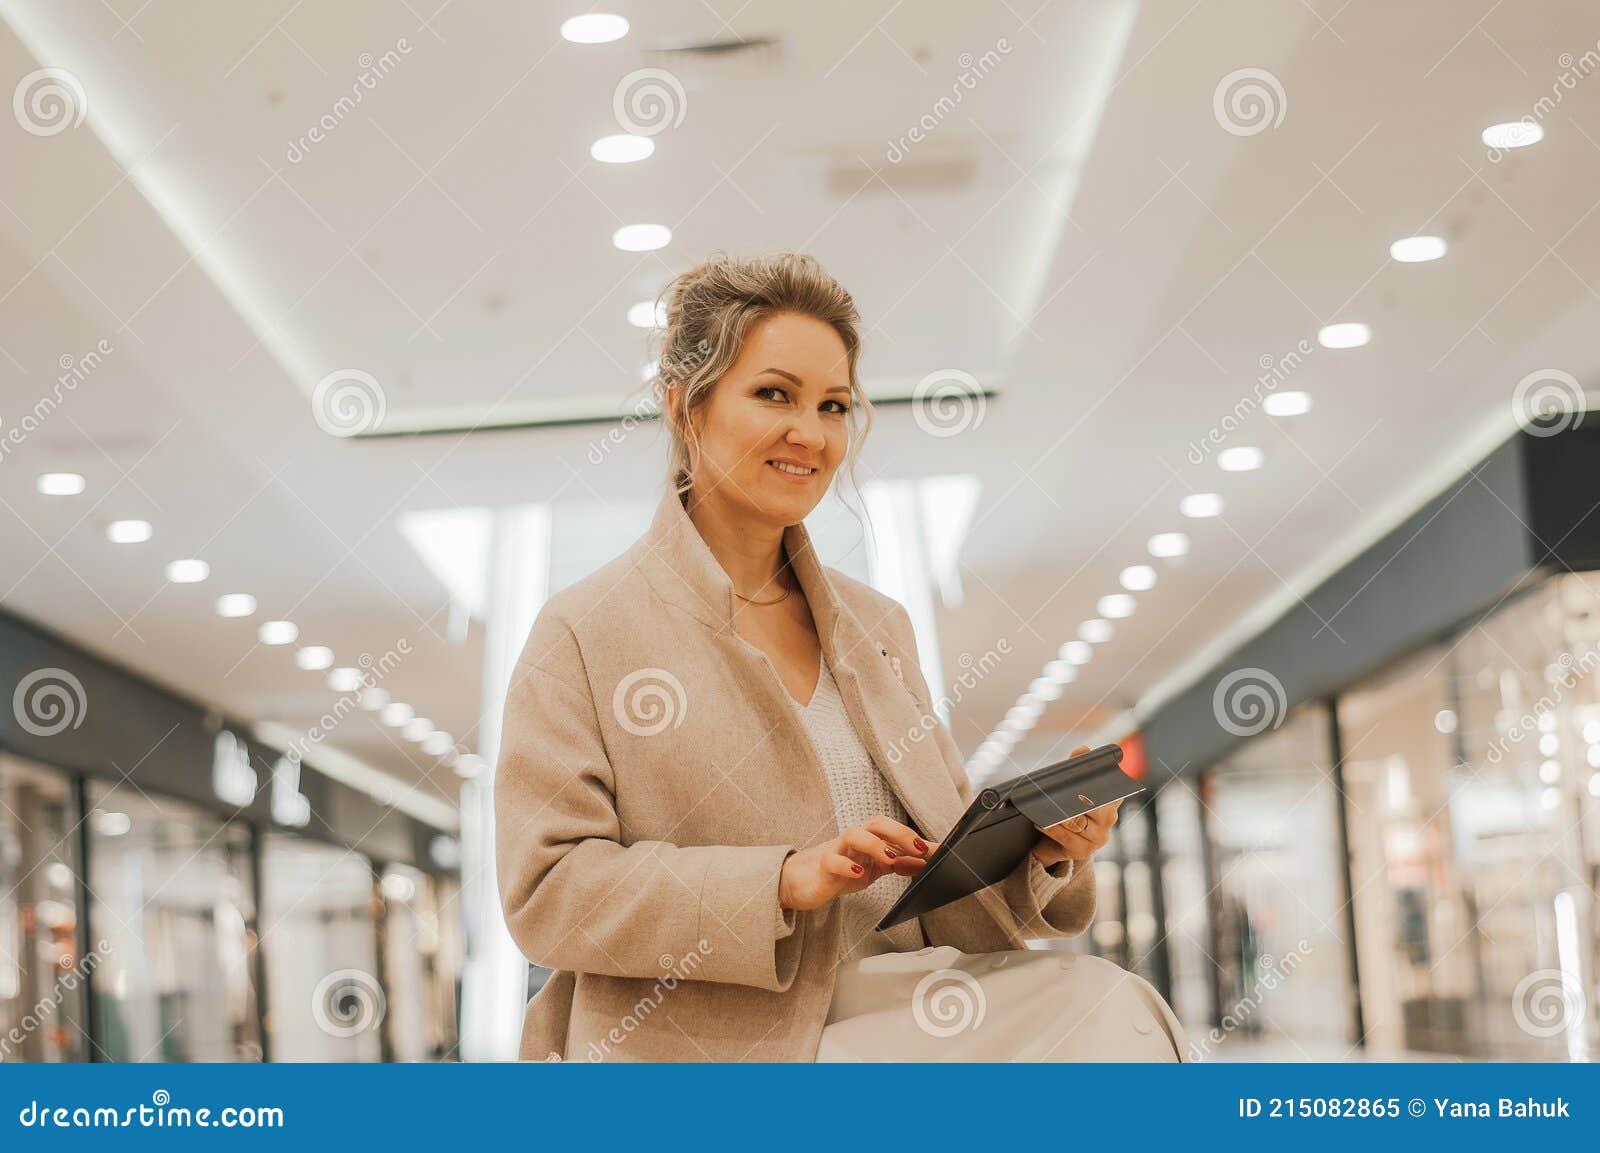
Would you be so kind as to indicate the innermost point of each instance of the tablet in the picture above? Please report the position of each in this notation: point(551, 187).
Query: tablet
point(998, 829)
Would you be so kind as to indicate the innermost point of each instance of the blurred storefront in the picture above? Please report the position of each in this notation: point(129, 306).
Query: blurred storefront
point(1380, 819)
point(171, 889)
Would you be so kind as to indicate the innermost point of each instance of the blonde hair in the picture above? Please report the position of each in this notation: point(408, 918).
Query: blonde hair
point(710, 310)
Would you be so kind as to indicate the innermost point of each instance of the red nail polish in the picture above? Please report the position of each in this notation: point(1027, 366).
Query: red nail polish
point(856, 869)
point(890, 853)
point(922, 846)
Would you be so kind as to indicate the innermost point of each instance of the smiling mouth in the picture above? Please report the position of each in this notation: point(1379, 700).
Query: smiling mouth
point(794, 470)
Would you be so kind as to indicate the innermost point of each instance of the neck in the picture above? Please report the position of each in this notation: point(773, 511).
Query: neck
point(750, 550)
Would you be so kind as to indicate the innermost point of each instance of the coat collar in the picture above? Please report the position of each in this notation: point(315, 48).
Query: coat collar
point(686, 573)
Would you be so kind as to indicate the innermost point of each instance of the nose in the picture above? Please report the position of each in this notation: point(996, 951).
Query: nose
point(807, 431)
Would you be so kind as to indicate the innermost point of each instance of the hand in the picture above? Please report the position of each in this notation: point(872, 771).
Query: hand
point(850, 862)
point(1079, 838)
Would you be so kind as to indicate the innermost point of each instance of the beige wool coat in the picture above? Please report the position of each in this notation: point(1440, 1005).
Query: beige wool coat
point(653, 776)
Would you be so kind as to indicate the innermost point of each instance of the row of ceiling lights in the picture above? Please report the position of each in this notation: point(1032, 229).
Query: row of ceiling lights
point(313, 658)
point(1072, 655)
point(623, 148)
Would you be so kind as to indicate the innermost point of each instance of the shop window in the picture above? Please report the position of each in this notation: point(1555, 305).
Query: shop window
point(171, 897)
point(42, 973)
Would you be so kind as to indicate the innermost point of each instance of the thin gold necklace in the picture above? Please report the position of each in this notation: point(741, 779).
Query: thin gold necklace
point(759, 604)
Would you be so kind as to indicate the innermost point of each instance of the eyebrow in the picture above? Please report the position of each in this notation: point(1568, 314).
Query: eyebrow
point(792, 377)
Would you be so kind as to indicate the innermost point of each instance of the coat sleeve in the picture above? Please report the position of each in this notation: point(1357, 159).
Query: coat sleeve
point(1054, 901)
point(577, 893)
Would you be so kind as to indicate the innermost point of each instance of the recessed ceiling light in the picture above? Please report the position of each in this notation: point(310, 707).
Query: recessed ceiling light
point(188, 571)
point(344, 680)
point(278, 632)
point(236, 605)
point(1515, 134)
point(416, 728)
point(437, 743)
point(59, 484)
point(314, 657)
point(1244, 458)
point(1199, 505)
point(648, 314)
point(1137, 578)
point(623, 148)
point(1168, 544)
point(1045, 689)
point(396, 714)
point(129, 531)
point(112, 824)
point(1061, 672)
point(642, 237)
point(374, 698)
point(1418, 249)
point(468, 766)
point(1350, 334)
point(1116, 606)
point(1076, 652)
point(594, 28)
point(1287, 404)
point(1096, 631)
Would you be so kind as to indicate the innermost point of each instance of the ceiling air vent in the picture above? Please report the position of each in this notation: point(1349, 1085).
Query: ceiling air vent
point(719, 61)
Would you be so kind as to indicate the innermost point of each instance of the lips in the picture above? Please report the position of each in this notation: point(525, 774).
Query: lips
point(792, 470)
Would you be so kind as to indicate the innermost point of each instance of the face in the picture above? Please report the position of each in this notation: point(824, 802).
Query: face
point(775, 430)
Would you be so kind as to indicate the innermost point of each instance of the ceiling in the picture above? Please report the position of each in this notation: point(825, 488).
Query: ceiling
point(1052, 201)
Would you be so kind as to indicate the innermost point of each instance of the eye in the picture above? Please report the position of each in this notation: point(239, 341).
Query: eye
point(838, 407)
point(763, 390)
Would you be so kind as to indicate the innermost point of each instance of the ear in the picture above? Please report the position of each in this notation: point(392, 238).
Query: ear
point(671, 399)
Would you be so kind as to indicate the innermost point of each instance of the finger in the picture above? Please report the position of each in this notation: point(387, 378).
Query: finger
point(902, 837)
point(1079, 751)
point(908, 866)
point(868, 848)
point(1106, 815)
point(1077, 845)
point(843, 872)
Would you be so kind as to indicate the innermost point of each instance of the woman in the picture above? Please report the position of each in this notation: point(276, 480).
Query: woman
point(697, 821)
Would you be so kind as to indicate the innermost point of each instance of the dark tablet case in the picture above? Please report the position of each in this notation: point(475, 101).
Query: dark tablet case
point(997, 830)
